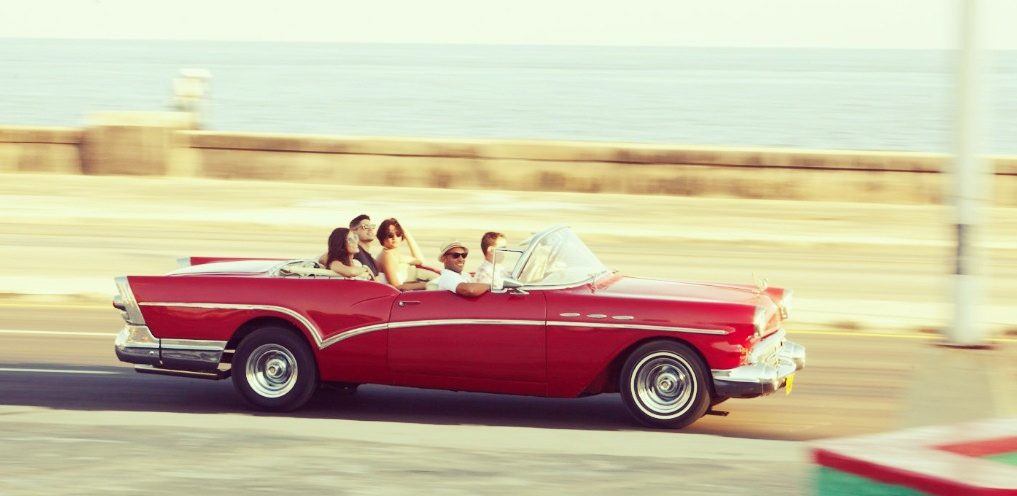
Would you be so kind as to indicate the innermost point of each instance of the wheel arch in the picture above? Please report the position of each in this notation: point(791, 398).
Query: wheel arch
point(610, 375)
point(256, 323)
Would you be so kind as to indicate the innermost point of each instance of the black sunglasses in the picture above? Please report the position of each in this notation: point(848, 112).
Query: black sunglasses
point(457, 254)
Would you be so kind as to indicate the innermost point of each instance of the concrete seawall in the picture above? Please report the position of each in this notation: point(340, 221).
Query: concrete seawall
point(162, 144)
point(40, 149)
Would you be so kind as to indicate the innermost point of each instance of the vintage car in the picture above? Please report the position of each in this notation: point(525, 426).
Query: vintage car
point(559, 324)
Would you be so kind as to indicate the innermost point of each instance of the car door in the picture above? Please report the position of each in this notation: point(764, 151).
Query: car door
point(494, 342)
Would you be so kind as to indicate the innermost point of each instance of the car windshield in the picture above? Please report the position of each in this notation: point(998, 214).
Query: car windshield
point(556, 257)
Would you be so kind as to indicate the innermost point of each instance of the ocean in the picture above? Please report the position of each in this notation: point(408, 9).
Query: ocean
point(800, 98)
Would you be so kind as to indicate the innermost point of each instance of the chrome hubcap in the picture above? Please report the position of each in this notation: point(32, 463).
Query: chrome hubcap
point(664, 385)
point(271, 370)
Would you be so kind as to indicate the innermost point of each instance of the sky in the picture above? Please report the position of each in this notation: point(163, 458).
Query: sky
point(741, 23)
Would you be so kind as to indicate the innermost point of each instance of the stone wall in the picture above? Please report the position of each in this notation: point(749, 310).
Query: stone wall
point(164, 143)
point(40, 149)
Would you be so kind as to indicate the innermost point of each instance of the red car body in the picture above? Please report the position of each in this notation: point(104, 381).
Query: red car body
point(564, 339)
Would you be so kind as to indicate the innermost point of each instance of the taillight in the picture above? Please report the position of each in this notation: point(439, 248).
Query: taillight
point(126, 303)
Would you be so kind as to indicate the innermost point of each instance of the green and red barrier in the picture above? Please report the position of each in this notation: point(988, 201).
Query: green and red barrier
point(978, 459)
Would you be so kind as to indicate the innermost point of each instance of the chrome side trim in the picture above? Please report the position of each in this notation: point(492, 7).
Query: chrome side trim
point(425, 323)
point(315, 332)
point(596, 315)
point(194, 352)
point(357, 331)
point(322, 343)
point(136, 344)
point(569, 314)
point(195, 358)
point(148, 369)
point(194, 344)
point(644, 327)
point(622, 317)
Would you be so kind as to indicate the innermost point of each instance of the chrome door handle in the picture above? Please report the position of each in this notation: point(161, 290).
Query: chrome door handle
point(408, 302)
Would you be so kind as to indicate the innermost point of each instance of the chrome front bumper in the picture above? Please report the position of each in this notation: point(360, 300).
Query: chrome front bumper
point(775, 358)
point(136, 344)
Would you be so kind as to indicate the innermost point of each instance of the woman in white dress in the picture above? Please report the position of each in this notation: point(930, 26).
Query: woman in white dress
point(395, 265)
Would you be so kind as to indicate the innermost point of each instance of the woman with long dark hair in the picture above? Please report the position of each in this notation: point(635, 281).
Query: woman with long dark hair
point(342, 246)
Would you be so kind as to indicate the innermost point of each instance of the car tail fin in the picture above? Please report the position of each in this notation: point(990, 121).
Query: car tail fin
point(126, 303)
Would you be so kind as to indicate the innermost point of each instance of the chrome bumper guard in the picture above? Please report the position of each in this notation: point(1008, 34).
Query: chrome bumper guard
point(185, 357)
point(765, 376)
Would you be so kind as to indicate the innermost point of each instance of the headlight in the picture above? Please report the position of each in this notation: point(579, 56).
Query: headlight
point(759, 321)
point(785, 304)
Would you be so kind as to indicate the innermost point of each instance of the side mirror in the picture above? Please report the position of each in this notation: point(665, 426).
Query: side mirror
point(506, 284)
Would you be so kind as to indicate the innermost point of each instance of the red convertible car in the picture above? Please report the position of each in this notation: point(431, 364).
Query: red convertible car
point(561, 325)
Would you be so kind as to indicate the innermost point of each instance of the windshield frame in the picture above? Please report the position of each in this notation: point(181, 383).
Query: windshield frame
point(533, 242)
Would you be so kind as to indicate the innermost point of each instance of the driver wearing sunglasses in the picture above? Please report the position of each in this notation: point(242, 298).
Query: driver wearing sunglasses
point(453, 256)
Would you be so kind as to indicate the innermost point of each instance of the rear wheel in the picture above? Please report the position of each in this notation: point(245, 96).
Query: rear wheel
point(663, 384)
point(274, 369)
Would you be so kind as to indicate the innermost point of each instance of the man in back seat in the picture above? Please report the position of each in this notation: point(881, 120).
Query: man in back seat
point(362, 225)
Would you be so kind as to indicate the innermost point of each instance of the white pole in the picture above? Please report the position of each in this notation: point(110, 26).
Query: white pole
point(968, 330)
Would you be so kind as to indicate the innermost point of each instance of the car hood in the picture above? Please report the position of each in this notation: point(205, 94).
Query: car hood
point(681, 290)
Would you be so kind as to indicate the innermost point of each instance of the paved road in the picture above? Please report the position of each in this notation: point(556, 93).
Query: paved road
point(868, 279)
point(854, 384)
point(72, 418)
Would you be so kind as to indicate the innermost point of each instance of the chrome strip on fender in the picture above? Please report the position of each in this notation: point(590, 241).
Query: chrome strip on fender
point(424, 323)
point(356, 331)
point(232, 306)
point(643, 327)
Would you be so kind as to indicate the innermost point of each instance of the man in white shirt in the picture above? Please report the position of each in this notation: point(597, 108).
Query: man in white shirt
point(453, 255)
point(488, 243)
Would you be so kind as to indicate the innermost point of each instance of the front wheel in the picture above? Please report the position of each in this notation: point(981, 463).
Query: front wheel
point(274, 369)
point(663, 384)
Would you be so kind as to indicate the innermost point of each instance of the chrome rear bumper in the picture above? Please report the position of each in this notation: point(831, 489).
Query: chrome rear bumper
point(782, 358)
point(136, 344)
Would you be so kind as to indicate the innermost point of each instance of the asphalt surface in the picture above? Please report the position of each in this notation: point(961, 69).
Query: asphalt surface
point(71, 415)
point(871, 291)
